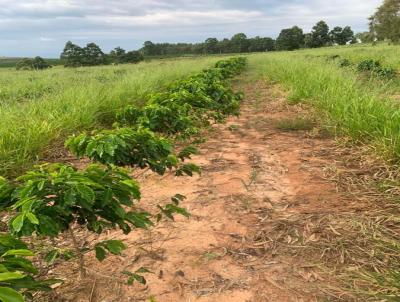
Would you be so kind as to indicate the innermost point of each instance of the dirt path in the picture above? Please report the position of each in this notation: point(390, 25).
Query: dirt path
point(242, 242)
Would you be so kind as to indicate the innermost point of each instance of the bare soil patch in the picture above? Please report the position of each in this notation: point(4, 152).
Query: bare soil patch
point(276, 216)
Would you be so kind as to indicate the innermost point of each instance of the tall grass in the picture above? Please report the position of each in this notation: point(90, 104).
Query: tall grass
point(351, 105)
point(40, 108)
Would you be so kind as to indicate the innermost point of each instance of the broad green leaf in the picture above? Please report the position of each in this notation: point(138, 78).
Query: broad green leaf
point(100, 253)
point(114, 246)
point(18, 222)
point(10, 276)
point(32, 218)
point(19, 252)
point(9, 295)
point(85, 192)
point(20, 264)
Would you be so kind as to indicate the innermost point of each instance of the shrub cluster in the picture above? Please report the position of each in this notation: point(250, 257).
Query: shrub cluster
point(51, 198)
point(371, 66)
point(189, 104)
point(376, 67)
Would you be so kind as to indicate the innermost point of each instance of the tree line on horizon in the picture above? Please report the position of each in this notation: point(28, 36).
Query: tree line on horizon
point(384, 25)
point(289, 39)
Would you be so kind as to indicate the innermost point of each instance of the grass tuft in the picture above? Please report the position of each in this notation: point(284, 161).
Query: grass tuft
point(295, 124)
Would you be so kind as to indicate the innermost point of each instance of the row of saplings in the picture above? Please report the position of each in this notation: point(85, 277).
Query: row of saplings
point(53, 199)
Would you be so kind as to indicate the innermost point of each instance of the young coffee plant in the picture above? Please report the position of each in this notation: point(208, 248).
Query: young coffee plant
point(17, 274)
point(190, 104)
point(139, 148)
point(170, 119)
point(52, 198)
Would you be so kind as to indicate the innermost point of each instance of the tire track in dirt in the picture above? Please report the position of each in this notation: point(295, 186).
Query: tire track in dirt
point(255, 179)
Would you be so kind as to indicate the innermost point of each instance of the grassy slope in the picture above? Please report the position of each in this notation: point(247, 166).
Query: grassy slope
point(39, 108)
point(354, 104)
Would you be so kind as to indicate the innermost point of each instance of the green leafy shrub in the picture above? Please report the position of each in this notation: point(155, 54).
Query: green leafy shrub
point(231, 67)
point(386, 72)
point(17, 276)
point(129, 147)
point(49, 199)
point(376, 68)
point(189, 104)
point(369, 65)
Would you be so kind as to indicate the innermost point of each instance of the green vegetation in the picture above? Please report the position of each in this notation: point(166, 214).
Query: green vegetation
point(17, 276)
point(40, 109)
point(92, 55)
point(357, 101)
point(37, 63)
point(385, 23)
point(50, 199)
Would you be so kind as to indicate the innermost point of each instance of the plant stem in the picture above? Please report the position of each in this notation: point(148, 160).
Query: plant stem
point(82, 270)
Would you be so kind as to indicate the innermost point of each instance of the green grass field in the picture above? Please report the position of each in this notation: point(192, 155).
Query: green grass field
point(360, 105)
point(40, 108)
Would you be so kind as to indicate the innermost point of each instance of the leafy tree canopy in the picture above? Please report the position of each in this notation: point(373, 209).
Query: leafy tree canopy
point(290, 39)
point(385, 23)
point(341, 35)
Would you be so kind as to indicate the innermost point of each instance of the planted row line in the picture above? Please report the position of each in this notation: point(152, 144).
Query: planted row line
point(52, 198)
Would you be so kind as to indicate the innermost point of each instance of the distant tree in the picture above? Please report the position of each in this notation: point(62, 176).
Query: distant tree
point(342, 36)
point(239, 43)
point(133, 57)
point(93, 55)
point(117, 55)
point(224, 46)
point(259, 44)
point(38, 63)
point(149, 49)
point(319, 35)
point(211, 45)
point(365, 37)
point(72, 55)
point(290, 39)
point(385, 23)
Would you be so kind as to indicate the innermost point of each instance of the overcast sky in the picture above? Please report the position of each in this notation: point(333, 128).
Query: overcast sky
point(41, 27)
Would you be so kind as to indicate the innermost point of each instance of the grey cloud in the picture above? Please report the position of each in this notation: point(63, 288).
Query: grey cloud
point(41, 27)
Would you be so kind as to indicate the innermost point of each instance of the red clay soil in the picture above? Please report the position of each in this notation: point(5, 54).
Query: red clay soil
point(236, 247)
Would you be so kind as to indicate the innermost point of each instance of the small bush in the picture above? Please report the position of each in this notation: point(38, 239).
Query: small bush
point(369, 65)
point(376, 68)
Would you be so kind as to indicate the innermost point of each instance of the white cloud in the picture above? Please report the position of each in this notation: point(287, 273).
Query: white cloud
point(128, 23)
point(179, 18)
point(45, 39)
